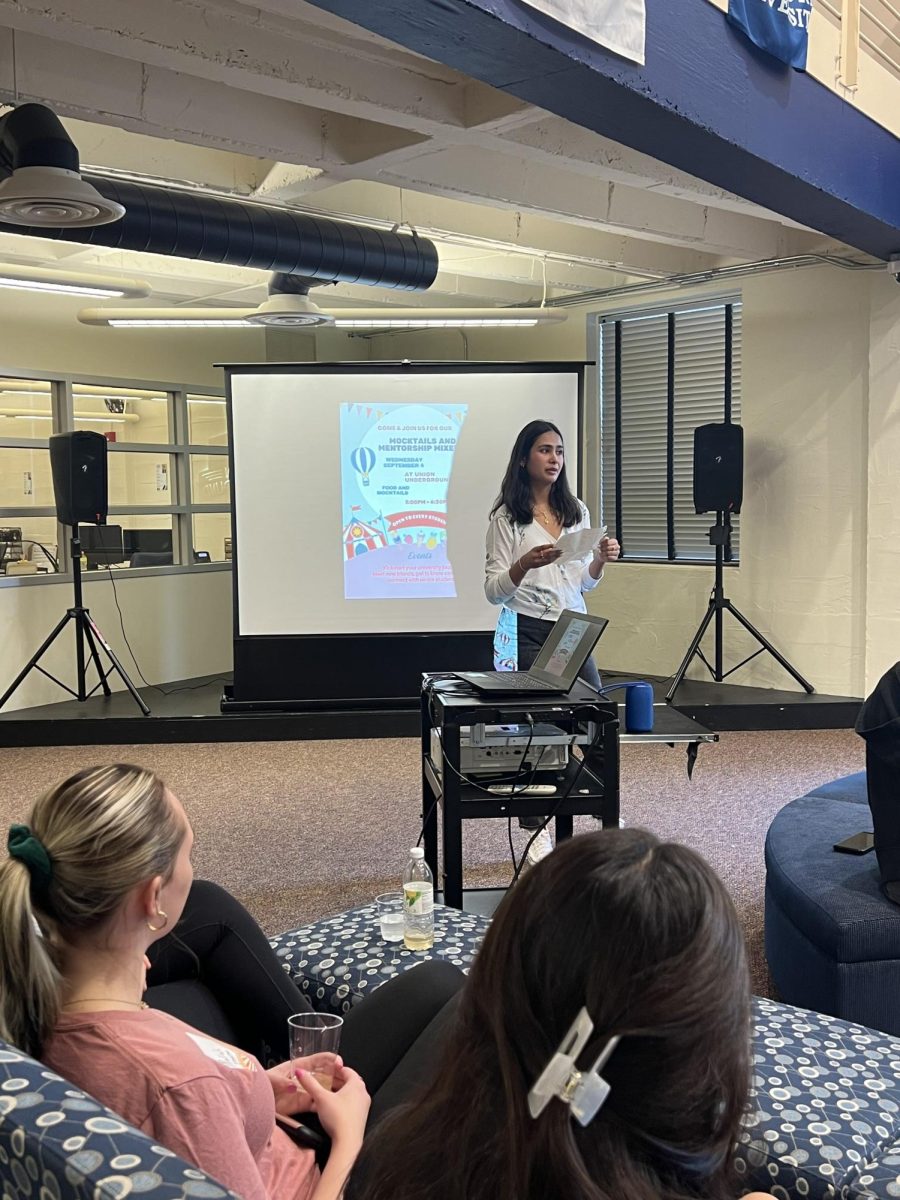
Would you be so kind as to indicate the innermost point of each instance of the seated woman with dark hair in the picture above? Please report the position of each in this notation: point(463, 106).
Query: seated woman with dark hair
point(601, 1046)
point(103, 871)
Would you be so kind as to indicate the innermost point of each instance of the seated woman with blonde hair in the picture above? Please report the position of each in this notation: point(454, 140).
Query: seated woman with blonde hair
point(103, 871)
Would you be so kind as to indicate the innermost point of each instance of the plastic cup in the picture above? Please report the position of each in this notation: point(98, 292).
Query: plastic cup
point(390, 916)
point(315, 1033)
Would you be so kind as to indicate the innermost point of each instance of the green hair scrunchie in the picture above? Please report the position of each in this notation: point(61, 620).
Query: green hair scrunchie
point(23, 845)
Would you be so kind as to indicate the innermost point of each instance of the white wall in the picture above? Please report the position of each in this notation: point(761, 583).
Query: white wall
point(42, 333)
point(883, 515)
point(179, 625)
point(820, 535)
point(820, 529)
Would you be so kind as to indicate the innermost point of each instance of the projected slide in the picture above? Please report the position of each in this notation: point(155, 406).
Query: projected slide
point(362, 495)
point(395, 474)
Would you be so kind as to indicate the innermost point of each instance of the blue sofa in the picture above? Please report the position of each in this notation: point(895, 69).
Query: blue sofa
point(57, 1142)
point(832, 937)
point(825, 1118)
point(825, 1122)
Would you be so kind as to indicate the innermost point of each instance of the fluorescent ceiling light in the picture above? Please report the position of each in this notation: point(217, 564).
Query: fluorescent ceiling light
point(48, 279)
point(24, 414)
point(398, 318)
point(424, 323)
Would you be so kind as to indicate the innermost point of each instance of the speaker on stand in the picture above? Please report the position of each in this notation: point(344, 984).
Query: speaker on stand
point(718, 487)
point(80, 488)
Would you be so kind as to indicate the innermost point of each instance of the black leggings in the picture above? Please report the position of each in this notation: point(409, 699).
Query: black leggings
point(217, 972)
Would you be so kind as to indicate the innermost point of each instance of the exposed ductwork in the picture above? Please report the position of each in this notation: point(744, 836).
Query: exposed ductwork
point(40, 172)
point(288, 305)
point(194, 225)
point(45, 195)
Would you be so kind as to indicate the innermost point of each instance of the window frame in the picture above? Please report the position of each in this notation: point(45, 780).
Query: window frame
point(181, 508)
point(594, 433)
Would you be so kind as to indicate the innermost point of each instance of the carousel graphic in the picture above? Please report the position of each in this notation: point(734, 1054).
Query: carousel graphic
point(360, 537)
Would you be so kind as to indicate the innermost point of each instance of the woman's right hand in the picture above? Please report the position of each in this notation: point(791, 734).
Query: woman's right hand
point(343, 1112)
point(540, 556)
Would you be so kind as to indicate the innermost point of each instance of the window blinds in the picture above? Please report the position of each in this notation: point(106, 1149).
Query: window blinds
point(650, 406)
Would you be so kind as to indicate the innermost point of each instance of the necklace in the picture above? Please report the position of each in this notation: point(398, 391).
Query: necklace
point(106, 1000)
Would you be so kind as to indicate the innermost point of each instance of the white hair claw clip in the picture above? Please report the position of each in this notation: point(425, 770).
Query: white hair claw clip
point(584, 1091)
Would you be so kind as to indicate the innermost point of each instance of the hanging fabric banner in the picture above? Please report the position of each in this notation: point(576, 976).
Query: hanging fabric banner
point(618, 25)
point(781, 27)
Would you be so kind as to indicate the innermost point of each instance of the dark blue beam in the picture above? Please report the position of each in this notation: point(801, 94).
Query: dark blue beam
point(706, 102)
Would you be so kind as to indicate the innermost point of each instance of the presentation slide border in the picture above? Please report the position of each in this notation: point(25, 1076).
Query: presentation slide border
point(374, 670)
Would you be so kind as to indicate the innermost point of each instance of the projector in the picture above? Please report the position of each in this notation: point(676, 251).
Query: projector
point(505, 749)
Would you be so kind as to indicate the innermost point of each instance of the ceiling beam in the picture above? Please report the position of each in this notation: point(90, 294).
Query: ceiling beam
point(511, 228)
point(285, 63)
point(168, 104)
point(471, 173)
point(705, 103)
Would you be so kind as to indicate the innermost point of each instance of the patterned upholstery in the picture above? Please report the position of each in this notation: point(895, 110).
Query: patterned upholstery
point(339, 960)
point(825, 1123)
point(56, 1143)
point(827, 1113)
point(826, 1117)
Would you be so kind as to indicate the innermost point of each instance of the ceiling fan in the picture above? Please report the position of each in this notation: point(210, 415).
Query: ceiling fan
point(289, 306)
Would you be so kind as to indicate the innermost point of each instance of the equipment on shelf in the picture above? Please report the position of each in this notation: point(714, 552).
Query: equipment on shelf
point(10, 547)
point(507, 749)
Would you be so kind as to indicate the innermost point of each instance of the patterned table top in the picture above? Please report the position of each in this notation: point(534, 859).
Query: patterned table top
point(338, 960)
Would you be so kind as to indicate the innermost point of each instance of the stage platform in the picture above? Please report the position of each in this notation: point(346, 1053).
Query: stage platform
point(189, 712)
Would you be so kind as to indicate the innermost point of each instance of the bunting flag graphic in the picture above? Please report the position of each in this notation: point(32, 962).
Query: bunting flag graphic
point(780, 27)
point(617, 25)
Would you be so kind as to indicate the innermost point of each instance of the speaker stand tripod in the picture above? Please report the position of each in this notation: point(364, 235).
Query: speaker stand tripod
point(86, 632)
point(720, 538)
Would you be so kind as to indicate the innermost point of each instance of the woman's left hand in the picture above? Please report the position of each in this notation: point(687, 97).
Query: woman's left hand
point(289, 1095)
point(607, 550)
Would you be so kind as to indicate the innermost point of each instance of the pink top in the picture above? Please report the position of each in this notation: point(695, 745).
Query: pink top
point(209, 1102)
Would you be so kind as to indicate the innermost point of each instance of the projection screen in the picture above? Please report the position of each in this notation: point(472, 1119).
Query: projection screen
point(361, 493)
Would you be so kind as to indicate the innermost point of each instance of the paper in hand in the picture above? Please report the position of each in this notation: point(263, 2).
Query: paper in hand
point(579, 544)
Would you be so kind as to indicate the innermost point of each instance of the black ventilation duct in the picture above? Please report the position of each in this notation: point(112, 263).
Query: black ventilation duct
point(41, 180)
point(198, 226)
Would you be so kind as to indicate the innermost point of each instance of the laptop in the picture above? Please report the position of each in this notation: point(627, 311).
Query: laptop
point(556, 668)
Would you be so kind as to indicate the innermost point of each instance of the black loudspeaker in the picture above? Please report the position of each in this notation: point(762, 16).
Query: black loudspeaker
point(80, 486)
point(718, 468)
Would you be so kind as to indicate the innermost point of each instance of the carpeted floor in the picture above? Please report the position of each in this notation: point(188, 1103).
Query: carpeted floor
point(301, 829)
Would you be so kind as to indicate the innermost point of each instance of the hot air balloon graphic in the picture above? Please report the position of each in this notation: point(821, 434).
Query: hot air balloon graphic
point(363, 460)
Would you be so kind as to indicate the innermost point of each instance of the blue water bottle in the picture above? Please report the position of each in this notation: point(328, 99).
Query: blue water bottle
point(638, 705)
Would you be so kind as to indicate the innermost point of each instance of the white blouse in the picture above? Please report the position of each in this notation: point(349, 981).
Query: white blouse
point(545, 591)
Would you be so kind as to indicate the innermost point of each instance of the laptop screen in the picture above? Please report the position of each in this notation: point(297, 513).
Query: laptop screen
point(565, 651)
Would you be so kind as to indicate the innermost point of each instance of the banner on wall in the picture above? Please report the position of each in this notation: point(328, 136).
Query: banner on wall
point(780, 27)
point(618, 25)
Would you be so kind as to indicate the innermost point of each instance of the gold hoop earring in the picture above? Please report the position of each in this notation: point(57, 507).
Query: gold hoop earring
point(165, 921)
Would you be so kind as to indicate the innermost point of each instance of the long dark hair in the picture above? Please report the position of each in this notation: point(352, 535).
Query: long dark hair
point(643, 935)
point(515, 490)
